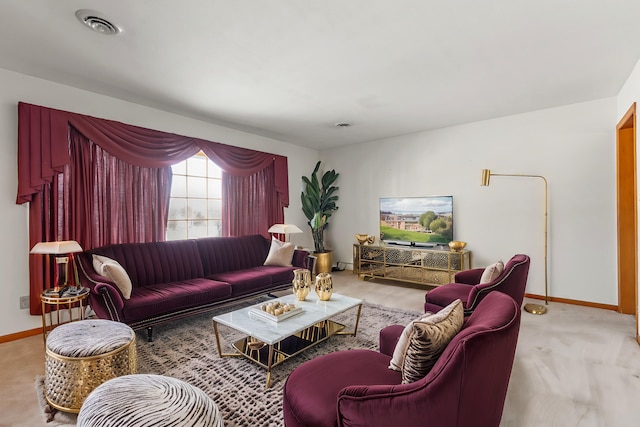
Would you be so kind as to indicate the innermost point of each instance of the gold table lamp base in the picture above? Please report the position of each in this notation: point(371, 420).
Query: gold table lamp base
point(535, 308)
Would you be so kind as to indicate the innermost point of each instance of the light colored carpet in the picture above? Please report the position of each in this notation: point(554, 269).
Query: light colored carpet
point(187, 350)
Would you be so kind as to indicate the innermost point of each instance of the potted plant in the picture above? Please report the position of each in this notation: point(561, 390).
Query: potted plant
point(318, 203)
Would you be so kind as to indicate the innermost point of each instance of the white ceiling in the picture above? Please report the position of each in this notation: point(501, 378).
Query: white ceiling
point(291, 69)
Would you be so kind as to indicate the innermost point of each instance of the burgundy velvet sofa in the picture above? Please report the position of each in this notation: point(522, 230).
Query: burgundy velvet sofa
point(179, 278)
point(466, 387)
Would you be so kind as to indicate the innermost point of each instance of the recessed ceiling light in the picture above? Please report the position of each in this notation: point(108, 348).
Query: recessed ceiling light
point(93, 20)
point(342, 124)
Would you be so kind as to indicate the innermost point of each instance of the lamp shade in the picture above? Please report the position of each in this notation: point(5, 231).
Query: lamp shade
point(284, 229)
point(61, 247)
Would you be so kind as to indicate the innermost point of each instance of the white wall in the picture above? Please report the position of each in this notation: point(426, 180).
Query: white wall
point(572, 146)
point(14, 244)
point(629, 94)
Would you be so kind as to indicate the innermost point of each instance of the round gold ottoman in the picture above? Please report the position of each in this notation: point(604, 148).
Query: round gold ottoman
point(82, 355)
point(144, 400)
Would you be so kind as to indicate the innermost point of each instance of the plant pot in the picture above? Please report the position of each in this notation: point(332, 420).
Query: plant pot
point(324, 261)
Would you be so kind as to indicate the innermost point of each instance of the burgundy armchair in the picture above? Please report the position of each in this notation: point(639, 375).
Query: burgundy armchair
point(466, 387)
point(512, 281)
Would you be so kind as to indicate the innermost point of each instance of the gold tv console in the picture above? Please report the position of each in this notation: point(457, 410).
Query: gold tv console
point(425, 266)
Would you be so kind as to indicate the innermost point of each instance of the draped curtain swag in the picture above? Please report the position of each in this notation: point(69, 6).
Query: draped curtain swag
point(59, 149)
point(43, 149)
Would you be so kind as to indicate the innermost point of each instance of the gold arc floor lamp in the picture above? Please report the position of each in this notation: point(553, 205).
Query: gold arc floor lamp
point(530, 308)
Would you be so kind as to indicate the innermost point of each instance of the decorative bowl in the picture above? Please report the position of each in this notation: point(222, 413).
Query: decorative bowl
point(362, 238)
point(457, 246)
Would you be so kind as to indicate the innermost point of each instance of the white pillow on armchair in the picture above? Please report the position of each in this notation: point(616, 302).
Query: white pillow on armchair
point(492, 272)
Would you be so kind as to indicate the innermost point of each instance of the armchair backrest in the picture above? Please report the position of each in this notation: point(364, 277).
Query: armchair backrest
point(466, 387)
point(512, 282)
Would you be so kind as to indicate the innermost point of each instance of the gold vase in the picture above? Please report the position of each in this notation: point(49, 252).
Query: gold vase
point(301, 283)
point(324, 261)
point(324, 286)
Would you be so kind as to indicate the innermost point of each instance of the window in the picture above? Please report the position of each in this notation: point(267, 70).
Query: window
point(195, 208)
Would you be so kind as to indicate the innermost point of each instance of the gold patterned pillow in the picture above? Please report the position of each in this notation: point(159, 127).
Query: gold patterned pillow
point(430, 337)
point(403, 342)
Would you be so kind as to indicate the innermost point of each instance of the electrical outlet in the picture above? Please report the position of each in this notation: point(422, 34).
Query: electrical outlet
point(24, 302)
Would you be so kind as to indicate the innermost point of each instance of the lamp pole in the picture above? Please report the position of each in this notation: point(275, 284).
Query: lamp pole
point(486, 178)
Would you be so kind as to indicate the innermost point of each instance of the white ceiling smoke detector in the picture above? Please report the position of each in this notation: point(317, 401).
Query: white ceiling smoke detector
point(97, 23)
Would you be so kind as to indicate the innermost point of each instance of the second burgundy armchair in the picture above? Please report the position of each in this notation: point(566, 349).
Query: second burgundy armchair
point(512, 281)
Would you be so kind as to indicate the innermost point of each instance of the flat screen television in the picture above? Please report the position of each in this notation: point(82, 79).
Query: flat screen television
point(416, 221)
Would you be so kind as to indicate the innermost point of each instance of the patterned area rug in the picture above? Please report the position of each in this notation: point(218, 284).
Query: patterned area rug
point(187, 350)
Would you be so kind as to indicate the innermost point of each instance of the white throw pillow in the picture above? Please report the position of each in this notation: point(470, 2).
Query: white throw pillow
point(401, 346)
point(280, 253)
point(492, 272)
point(112, 270)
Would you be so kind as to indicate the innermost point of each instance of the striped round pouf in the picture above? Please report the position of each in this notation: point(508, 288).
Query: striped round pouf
point(148, 400)
point(82, 355)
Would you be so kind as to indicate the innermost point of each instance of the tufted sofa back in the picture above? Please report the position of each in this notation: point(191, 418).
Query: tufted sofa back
point(155, 262)
point(222, 254)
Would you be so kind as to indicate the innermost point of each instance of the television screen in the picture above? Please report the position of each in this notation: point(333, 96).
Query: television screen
point(416, 221)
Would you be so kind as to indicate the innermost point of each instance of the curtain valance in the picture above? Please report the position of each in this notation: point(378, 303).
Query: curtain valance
point(43, 149)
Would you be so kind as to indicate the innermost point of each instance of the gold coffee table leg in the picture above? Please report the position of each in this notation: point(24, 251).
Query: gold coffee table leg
point(269, 363)
point(355, 327)
point(220, 353)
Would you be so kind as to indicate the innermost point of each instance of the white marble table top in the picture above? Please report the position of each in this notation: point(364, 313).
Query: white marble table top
point(271, 332)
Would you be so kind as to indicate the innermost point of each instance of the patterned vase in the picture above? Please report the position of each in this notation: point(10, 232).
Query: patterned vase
point(301, 283)
point(324, 286)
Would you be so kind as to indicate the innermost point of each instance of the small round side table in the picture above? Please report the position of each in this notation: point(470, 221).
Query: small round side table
point(61, 302)
point(82, 355)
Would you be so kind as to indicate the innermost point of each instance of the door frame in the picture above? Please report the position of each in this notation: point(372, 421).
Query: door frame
point(627, 209)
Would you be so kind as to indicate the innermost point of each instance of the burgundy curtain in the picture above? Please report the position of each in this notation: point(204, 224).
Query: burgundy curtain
point(113, 201)
point(44, 155)
point(254, 197)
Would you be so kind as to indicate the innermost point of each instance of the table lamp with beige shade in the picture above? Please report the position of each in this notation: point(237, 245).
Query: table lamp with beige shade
point(61, 251)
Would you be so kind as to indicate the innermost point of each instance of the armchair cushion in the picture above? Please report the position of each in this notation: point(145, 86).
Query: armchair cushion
point(443, 295)
point(430, 337)
point(492, 272)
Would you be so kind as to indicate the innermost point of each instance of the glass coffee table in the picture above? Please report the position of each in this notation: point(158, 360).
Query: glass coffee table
point(269, 342)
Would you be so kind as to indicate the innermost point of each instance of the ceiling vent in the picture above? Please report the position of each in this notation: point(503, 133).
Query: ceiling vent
point(93, 20)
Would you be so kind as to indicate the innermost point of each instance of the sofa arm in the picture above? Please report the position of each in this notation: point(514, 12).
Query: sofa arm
point(109, 301)
point(105, 298)
point(303, 259)
point(469, 277)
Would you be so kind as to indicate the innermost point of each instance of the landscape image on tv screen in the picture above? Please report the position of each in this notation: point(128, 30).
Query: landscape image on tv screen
point(425, 221)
